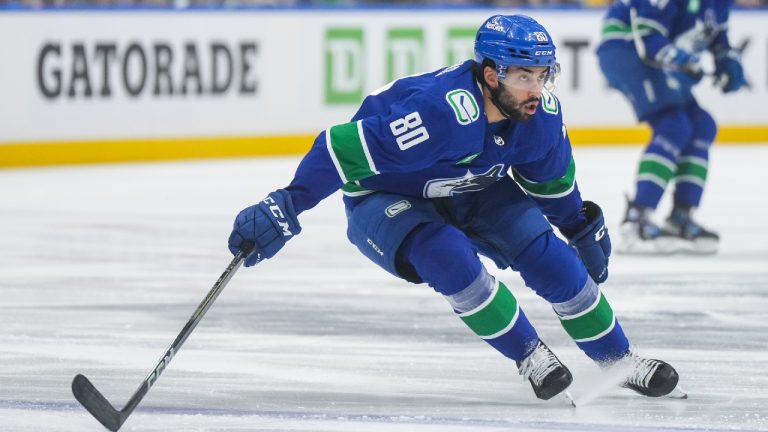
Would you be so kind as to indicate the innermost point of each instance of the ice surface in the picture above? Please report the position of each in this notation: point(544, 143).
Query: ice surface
point(101, 266)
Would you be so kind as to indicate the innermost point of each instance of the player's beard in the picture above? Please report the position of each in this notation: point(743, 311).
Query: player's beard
point(508, 104)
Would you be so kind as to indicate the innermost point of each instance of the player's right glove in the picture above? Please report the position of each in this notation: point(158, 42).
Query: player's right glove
point(671, 57)
point(268, 225)
point(729, 74)
point(593, 243)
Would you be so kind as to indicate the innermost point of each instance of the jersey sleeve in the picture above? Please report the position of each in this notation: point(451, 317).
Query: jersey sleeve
point(551, 181)
point(721, 44)
point(650, 22)
point(411, 136)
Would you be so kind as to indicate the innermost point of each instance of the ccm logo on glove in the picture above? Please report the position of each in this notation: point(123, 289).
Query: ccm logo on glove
point(267, 225)
point(592, 242)
point(279, 216)
point(600, 234)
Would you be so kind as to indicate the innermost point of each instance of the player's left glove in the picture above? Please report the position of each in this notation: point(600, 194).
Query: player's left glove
point(729, 74)
point(268, 225)
point(593, 243)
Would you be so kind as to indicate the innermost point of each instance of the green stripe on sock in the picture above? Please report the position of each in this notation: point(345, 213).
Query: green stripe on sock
point(691, 169)
point(649, 166)
point(493, 316)
point(590, 324)
point(348, 149)
point(552, 188)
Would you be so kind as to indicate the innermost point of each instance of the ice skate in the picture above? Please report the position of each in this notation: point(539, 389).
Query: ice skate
point(650, 377)
point(693, 237)
point(639, 235)
point(547, 375)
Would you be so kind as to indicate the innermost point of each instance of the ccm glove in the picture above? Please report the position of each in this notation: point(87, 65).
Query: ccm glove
point(268, 225)
point(592, 243)
point(729, 74)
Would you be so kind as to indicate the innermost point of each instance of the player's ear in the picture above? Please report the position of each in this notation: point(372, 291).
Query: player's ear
point(489, 74)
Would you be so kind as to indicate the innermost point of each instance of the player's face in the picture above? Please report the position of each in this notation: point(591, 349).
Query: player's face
point(521, 91)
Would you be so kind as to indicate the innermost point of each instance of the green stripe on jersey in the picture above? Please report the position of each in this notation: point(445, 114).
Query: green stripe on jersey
point(495, 316)
point(551, 189)
point(349, 151)
point(590, 324)
point(354, 189)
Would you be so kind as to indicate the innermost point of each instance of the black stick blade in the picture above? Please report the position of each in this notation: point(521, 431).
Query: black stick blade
point(96, 403)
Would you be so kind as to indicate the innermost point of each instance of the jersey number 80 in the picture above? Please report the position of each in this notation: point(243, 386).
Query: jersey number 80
point(409, 131)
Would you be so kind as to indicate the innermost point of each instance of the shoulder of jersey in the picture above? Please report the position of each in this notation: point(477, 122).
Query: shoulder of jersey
point(457, 95)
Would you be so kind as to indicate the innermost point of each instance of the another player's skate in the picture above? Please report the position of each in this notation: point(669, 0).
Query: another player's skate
point(650, 377)
point(639, 235)
point(694, 237)
point(547, 375)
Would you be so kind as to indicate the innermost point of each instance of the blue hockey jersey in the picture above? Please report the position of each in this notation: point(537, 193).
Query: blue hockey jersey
point(690, 25)
point(427, 136)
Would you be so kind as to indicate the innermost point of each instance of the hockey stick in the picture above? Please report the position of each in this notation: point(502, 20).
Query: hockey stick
point(98, 405)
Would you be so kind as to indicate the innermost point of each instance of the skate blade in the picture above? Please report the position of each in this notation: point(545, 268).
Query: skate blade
point(701, 247)
point(677, 393)
point(568, 397)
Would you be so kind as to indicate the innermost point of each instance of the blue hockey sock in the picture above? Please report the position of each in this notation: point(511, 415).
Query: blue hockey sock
point(492, 312)
point(693, 163)
point(589, 319)
point(484, 304)
point(672, 132)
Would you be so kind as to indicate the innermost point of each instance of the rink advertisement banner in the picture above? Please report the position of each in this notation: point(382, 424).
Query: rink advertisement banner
point(234, 82)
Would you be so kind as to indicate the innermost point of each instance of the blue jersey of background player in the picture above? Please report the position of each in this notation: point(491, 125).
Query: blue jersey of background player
point(650, 52)
point(425, 169)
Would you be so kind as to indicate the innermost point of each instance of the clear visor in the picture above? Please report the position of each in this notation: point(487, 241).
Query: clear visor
point(532, 78)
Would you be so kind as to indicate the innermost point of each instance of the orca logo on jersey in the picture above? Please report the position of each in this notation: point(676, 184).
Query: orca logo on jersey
point(469, 182)
point(464, 106)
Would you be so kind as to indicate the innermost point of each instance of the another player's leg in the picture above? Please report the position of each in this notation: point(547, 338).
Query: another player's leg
point(690, 179)
point(485, 304)
point(672, 131)
point(587, 316)
point(659, 98)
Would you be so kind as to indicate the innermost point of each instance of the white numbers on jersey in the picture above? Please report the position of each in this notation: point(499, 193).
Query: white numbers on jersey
point(409, 131)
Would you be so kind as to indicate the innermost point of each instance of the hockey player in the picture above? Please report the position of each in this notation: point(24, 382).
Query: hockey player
point(650, 52)
point(424, 166)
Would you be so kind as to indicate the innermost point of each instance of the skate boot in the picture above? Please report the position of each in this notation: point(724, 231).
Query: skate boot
point(694, 237)
point(547, 375)
point(639, 235)
point(650, 377)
